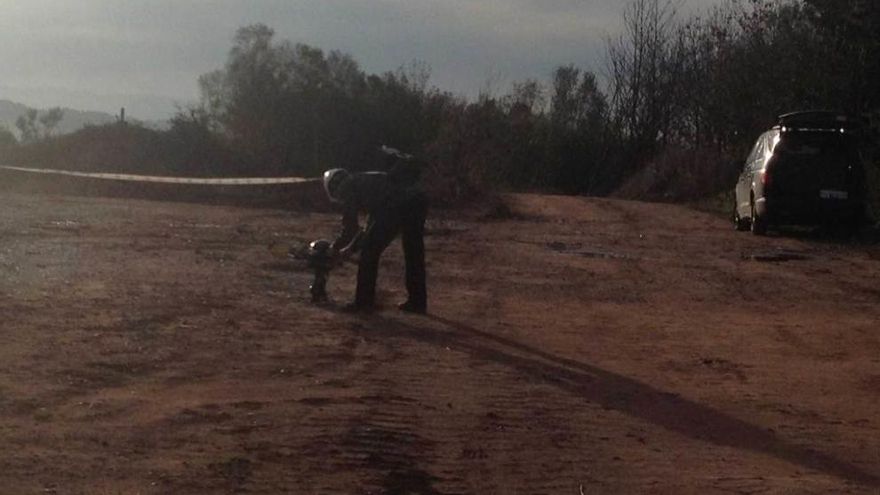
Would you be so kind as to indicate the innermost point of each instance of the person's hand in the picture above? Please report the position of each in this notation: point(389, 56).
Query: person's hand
point(344, 253)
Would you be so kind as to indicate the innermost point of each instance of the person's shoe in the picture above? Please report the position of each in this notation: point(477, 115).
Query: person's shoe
point(354, 307)
point(411, 307)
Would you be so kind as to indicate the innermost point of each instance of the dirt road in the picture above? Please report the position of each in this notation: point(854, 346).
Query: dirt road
point(573, 346)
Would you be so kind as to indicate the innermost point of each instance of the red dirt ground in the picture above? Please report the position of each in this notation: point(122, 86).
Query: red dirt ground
point(573, 346)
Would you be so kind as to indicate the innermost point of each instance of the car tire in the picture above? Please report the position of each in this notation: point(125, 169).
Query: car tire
point(739, 223)
point(855, 222)
point(759, 224)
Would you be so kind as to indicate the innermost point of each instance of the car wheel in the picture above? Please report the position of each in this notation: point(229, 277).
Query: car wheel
point(855, 221)
point(759, 224)
point(739, 223)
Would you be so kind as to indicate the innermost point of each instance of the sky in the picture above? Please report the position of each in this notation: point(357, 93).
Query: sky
point(147, 55)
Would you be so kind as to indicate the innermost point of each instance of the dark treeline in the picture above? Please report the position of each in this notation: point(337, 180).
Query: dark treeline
point(293, 109)
point(670, 115)
point(682, 101)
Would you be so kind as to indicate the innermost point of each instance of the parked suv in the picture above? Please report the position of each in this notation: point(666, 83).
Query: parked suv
point(806, 170)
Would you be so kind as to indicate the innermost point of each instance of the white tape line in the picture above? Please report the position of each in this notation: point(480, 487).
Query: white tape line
point(219, 181)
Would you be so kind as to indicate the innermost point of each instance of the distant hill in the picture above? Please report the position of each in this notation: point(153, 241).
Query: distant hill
point(73, 119)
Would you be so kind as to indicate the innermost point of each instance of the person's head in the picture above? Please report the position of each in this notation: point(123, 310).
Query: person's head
point(337, 184)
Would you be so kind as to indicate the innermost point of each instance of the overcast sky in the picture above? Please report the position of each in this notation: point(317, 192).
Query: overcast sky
point(146, 55)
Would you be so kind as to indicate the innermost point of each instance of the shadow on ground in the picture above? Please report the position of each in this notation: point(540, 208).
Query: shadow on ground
point(618, 392)
point(866, 236)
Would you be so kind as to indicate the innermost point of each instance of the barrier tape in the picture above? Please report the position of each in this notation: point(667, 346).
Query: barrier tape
point(244, 181)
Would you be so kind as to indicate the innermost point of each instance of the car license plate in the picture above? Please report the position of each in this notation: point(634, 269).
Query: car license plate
point(832, 194)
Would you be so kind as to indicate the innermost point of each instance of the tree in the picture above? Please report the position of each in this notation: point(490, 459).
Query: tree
point(290, 107)
point(50, 120)
point(576, 131)
point(643, 73)
point(32, 126)
point(27, 126)
point(7, 138)
point(577, 103)
point(852, 29)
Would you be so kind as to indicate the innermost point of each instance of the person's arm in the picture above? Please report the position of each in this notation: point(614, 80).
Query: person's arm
point(348, 238)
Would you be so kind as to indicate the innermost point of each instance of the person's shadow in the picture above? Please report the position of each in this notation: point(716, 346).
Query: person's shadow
point(618, 392)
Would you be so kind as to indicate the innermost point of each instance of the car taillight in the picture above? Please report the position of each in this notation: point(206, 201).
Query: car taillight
point(766, 178)
point(767, 175)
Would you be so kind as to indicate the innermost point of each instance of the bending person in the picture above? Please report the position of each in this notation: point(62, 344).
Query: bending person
point(393, 206)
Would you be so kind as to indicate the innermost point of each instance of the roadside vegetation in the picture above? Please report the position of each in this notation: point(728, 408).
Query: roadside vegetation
point(669, 117)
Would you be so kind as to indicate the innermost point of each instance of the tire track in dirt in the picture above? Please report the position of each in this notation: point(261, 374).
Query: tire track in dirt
point(379, 439)
point(405, 437)
point(615, 392)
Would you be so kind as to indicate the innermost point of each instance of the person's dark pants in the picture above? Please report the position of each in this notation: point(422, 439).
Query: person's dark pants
point(407, 219)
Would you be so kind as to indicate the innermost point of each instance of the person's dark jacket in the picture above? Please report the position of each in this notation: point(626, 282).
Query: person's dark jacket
point(373, 193)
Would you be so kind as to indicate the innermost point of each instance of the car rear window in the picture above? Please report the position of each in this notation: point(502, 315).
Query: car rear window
point(831, 146)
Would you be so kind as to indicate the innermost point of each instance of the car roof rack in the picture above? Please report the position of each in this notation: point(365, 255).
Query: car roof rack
point(817, 120)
